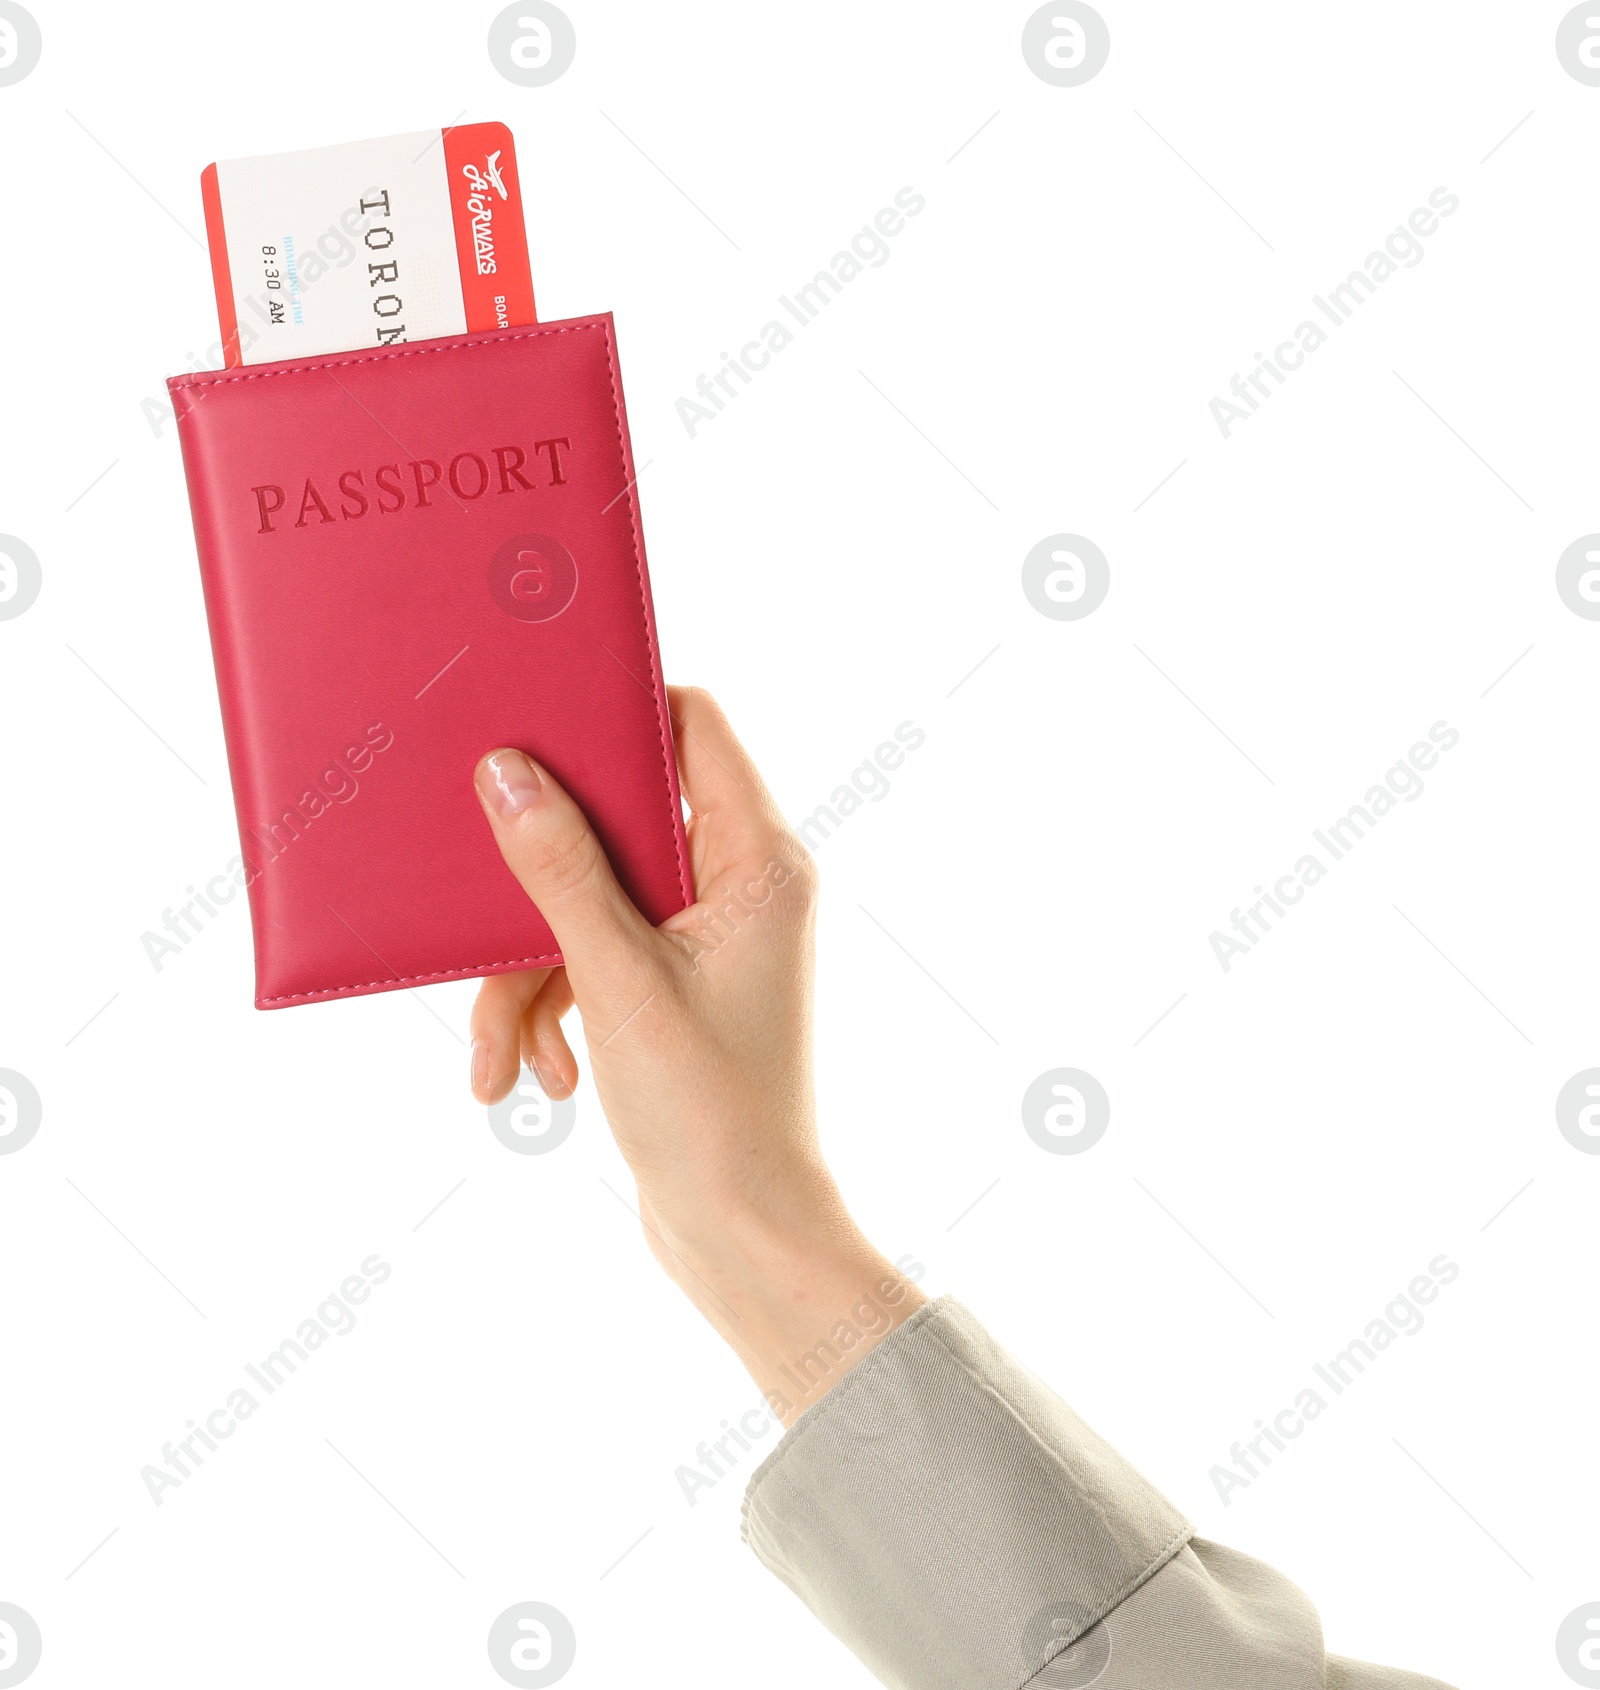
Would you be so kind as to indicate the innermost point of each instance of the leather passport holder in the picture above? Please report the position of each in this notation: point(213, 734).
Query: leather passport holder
point(413, 555)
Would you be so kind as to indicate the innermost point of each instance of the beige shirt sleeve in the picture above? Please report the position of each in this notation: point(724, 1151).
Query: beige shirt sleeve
point(955, 1524)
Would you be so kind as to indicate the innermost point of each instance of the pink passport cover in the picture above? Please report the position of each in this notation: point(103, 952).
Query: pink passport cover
point(412, 556)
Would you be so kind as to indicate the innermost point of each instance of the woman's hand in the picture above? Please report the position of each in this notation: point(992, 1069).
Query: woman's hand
point(699, 1037)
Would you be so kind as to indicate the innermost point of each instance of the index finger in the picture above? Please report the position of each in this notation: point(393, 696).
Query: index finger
point(719, 779)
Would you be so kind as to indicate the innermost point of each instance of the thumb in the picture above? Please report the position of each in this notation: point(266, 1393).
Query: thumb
point(549, 846)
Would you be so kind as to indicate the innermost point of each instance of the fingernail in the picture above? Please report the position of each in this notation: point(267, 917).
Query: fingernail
point(508, 781)
point(544, 1079)
point(480, 1065)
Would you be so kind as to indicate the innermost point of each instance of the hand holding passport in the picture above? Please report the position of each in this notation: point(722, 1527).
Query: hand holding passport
point(417, 543)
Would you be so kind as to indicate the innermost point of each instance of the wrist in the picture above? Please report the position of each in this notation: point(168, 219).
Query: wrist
point(800, 1295)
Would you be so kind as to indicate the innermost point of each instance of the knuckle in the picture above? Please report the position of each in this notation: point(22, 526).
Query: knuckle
point(563, 863)
point(801, 869)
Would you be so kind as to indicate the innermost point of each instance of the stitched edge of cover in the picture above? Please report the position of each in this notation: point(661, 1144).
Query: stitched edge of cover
point(210, 378)
point(685, 882)
point(410, 979)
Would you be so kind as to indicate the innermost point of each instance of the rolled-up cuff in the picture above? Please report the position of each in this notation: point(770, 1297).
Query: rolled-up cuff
point(948, 1517)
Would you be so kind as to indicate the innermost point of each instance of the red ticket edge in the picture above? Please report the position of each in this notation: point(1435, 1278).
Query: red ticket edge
point(486, 210)
point(221, 275)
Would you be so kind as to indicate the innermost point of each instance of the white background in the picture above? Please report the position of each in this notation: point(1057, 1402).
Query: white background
point(1347, 569)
